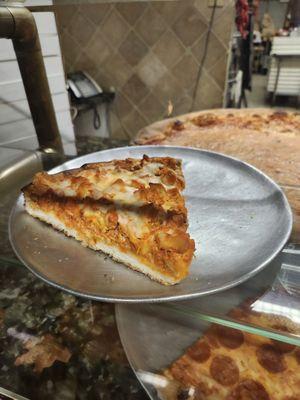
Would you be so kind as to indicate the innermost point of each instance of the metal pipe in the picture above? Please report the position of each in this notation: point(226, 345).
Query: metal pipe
point(18, 24)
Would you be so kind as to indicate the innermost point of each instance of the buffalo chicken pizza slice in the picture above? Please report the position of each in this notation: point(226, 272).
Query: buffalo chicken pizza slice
point(131, 209)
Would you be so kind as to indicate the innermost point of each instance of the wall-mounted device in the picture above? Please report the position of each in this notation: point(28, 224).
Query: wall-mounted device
point(82, 86)
point(87, 93)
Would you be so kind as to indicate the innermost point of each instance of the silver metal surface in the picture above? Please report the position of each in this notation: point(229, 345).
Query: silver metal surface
point(238, 217)
point(17, 168)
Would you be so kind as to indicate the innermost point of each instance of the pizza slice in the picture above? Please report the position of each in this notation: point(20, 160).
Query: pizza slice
point(131, 209)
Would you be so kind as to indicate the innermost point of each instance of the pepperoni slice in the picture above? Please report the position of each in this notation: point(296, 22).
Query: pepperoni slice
point(249, 390)
point(199, 352)
point(224, 370)
point(270, 358)
point(228, 337)
point(281, 346)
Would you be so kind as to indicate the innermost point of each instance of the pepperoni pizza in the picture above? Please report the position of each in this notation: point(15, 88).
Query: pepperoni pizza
point(227, 364)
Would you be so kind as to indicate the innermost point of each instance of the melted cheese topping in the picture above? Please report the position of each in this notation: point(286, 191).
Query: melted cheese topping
point(129, 182)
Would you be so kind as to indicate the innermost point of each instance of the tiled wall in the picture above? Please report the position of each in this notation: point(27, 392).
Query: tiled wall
point(150, 52)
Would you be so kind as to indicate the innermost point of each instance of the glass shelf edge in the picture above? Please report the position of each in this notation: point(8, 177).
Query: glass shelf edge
point(245, 327)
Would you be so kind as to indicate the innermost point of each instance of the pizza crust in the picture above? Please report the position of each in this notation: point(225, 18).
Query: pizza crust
point(115, 253)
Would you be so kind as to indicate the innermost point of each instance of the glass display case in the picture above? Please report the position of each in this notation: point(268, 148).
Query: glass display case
point(63, 344)
point(173, 348)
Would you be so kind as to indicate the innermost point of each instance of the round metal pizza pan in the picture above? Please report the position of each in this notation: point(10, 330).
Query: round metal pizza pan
point(239, 218)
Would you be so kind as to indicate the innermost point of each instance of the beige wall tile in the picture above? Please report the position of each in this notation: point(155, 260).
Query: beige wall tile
point(114, 28)
point(183, 104)
point(209, 94)
point(206, 11)
point(123, 105)
point(86, 63)
point(103, 79)
point(169, 49)
point(134, 122)
point(152, 108)
point(150, 26)
point(218, 71)
point(150, 70)
point(171, 10)
point(215, 50)
point(64, 15)
point(95, 12)
point(223, 25)
point(131, 11)
point(97, 48)
point(185, 71)
point(71, 48)
point(80, 29)
point(189, 26)
point(118, 69)
point(133, 49)
point(167, 89)
point(135, 89)
point(118, 131)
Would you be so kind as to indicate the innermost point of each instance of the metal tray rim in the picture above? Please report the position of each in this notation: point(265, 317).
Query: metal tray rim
point(158, 299)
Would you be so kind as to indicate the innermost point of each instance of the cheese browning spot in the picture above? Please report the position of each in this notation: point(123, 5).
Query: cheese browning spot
point(208, 119)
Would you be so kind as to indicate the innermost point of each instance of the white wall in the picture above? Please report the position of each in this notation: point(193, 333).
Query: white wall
point(16, 127)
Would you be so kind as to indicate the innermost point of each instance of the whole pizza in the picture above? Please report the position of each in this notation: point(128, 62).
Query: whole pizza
point(265, 138)
point(256, 136)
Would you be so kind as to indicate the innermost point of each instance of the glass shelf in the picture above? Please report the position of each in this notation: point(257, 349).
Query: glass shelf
point(265, 310)
point(266, 305)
